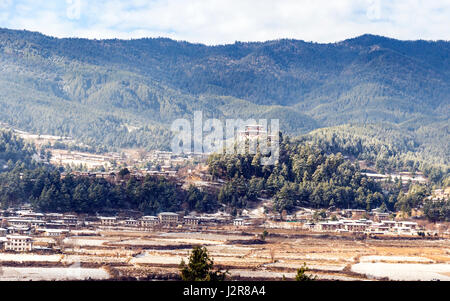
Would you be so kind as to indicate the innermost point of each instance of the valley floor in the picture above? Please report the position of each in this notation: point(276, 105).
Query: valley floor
point(131, 254)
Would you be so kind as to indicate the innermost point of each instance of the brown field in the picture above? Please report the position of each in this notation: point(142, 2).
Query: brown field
point(156, 255)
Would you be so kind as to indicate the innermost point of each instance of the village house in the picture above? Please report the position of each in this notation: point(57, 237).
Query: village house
point(255, 131)
point(55, 225)
point(168, 218)
point(381, 216)
point(406, 224)
point(108, 221)
point(247, 220)
point(399, 229)
point(309, 226)
point(238, 222)
point(18, 222)
point(131, 223)
point(346, 221)
point(367, 222)
point(358, 213)
point(21, 221)
point(149, 221)
point(21, 211)
point(55, 232)
point(36, 223)
point(211, 220)
point(190, 220)
point(304, 216)
point(405, 227)
point(379, 228)
point(33, 215)
point(353, 213)
point(70, 220)
point(330, 226)
point(19, 230)
point(18, 243)
point(53, 216)
point(389, 224)
point(356, 227)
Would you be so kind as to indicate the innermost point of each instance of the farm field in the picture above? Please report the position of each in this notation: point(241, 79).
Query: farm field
point(116, 254)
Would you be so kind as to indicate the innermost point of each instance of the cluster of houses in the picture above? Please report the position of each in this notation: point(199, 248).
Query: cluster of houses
point(440, 194)
point(348, 220)
point(157, 162)
point(366, 226)
point(91, 161)
point(19, 226)
point(168, 219)
point(404, 177)
point(374, 222)
point(166, 160)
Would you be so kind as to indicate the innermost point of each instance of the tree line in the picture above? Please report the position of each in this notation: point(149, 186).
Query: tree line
point(304, 176)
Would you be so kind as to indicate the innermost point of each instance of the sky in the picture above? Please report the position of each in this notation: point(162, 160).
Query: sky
point(215, 22)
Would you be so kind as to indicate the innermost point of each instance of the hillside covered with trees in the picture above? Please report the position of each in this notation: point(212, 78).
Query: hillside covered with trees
point(388, 148)
point(125, 93)
point(315, 174)
point(24, 180)
point(304, 176)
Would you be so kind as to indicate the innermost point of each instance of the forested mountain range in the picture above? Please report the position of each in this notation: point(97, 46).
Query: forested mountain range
point(125, 93)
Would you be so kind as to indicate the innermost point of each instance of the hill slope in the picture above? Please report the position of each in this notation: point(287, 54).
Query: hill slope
point(93, 89)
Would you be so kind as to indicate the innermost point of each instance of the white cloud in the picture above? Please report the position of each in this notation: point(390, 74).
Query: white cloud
point(226, 21)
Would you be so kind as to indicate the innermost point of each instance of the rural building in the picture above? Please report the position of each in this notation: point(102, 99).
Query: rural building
point(330, 226)
point(19, 230)
point(149, 221)
point(238, 222)
point(55, 225)
point(255, 131)
point(356, 227)
point(55, 232)
point(389, 224)
point(108, 221)
point(131, 223)
point(36, 223)
point(71, 220)
point(19, 222)
point(353, 213)
point(18, 243)
point(406, 224)
point(379, 227)
point(168, 218)
point(190, 220)
point(309, 226)
point(380, 216)
point(33, 215)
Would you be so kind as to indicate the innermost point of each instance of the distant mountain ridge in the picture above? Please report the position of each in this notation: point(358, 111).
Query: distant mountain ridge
point(91, 89)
